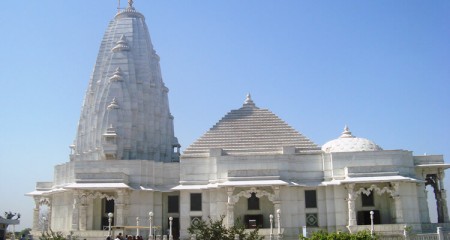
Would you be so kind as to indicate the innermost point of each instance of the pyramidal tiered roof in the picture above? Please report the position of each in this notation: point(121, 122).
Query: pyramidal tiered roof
point(250, 130)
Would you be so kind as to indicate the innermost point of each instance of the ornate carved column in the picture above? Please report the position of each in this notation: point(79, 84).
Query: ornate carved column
point(83, 213)
point(230, 207)
point(435, 181)
point(36, 214)
point(351, 197)
point(119, 214)
point(443, 196)
point(444, 205)
point(75, 211)
point(398, 203)
point(121, 204)
point(276, 198)
point(49, 217)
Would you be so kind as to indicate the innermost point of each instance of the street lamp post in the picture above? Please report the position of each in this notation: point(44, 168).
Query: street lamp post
point(271, 226)
point(150, 234)
point(279, 223)
point(110, 216)
point(278, 219)
point(371, 223)
point(137, 226)
point(170, 228)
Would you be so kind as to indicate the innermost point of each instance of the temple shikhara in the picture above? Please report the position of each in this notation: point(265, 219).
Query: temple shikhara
point(125, 160)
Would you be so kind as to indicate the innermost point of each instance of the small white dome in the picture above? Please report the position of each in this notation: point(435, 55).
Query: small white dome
point(349, 143)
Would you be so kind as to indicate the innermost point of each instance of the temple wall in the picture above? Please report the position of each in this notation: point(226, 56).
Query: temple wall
point(62, 208)
point(410, 203)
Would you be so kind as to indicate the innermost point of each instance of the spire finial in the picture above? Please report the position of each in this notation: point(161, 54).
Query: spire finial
point(248, 98)
point(249, 101)
point(130, 3)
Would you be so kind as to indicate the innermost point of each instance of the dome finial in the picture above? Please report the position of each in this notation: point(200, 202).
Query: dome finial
point(130, 3)
point(346, 133)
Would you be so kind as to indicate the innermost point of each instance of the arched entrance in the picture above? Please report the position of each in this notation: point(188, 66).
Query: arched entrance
point(252, 206)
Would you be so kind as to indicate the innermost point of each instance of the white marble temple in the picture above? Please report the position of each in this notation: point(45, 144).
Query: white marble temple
point(125, 160)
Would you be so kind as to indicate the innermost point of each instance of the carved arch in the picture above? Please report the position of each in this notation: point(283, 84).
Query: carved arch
point(93, 195)
point(248, 193)
point(374, 188)
point(45, 201)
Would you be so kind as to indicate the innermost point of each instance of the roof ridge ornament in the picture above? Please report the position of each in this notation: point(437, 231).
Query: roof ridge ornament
point(346, 133)
point(117, 75)
point(113, 105)
point(122, 39)
point(121, 45)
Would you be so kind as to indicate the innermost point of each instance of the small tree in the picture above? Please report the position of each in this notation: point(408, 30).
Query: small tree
point(25, 232)
point(214, 229)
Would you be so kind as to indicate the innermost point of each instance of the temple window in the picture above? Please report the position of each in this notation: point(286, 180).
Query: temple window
point(310, 199)
point(173, 203)
point(196, 201)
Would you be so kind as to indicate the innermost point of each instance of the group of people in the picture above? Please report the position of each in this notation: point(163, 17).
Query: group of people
point(127, 237)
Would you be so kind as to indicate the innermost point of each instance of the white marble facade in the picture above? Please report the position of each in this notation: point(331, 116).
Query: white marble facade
point(125, 160)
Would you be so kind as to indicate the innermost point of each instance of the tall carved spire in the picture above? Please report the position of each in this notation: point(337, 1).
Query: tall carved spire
point(126, 91)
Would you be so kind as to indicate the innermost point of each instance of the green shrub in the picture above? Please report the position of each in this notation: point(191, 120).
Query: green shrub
point(214, 229)
point(324, 235)
point(50, 235)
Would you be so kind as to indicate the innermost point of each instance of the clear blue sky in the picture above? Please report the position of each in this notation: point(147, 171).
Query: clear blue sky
point(382, 67)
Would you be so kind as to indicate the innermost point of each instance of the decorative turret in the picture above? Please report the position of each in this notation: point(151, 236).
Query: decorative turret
point(126, 91)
